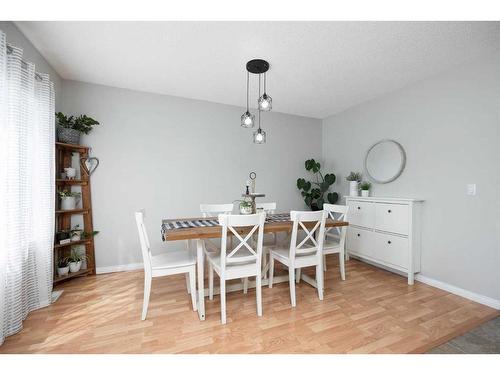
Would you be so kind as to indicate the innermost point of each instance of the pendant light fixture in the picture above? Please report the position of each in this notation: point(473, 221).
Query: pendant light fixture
point(264, 103)
point(247, 119)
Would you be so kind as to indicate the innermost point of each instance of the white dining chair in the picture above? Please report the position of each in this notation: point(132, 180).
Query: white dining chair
point(214, 210)
point(308, 252)
point(170, 263)
point(242, 261)
point(335, 236)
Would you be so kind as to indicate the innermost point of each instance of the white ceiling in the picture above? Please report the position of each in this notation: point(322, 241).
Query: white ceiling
point(317, 68)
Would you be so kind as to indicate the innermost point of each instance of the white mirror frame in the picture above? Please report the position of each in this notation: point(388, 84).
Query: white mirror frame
point(401, 166)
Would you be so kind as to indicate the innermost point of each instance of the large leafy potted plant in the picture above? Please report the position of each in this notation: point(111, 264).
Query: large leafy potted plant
point(70, 128)
point(316, 193)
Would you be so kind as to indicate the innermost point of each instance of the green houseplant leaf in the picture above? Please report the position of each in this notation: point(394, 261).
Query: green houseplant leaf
point(317, 192)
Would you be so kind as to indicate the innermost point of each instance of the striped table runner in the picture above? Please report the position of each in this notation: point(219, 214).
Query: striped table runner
point(197, 223)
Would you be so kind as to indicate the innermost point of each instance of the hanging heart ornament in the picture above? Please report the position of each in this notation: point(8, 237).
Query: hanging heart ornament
point(89, 165)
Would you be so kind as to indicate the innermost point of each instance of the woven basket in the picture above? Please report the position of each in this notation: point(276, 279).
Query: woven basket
point(66, 135)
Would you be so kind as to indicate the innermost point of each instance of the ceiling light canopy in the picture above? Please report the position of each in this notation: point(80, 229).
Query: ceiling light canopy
point(264, 103)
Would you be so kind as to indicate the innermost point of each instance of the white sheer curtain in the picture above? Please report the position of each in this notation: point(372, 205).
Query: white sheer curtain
point(27, 190)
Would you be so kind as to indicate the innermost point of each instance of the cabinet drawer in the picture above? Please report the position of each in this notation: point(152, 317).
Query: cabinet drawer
point(392, 218)
point(391, 249)
point(361, 213)
point(359, 241)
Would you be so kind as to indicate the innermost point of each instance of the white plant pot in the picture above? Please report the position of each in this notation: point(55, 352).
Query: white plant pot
point(68, 203)
point(245, 210)
point(365, 193)
point(75, 266)
point(63, 271)
point(353, 188)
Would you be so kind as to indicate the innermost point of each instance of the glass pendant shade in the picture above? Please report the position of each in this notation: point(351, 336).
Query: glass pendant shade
point(247, 120)
point(259, 136)
point(265, 102)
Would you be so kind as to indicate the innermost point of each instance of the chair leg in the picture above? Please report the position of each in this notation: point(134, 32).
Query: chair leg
point(258, 292)
point(147, 292)
point(291, 279)
point(192, 282)
point(298, 272)
point(245, 285)
point(222, 301)
point(346, 255)
point(210, 281)
point(264, 263)
point(271, 270)
point(319, 281)
point(324, 262)
point(187, 283)
point(342, 265)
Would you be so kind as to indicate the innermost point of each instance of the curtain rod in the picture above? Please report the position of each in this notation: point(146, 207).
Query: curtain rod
point(37, 76)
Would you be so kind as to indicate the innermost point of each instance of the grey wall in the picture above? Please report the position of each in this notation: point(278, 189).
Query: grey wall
point(168, 155)
point(450, 128)
point(30, 53)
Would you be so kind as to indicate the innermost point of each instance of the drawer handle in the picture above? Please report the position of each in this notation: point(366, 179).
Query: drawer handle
point(389, 211)
point(389, 242)
point(359, 235)
point(359, 208)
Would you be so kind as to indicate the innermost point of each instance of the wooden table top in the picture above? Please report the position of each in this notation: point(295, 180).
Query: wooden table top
point(216, 231)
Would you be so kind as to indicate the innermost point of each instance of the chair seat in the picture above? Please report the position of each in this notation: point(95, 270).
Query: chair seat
point(282, 254)
point(245, 267)
point(331, 247)
point(173, 259)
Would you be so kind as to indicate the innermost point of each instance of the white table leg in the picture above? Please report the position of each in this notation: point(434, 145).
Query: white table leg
point(201, 287)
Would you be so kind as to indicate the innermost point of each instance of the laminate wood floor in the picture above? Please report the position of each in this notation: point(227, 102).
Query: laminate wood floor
point(373, 311)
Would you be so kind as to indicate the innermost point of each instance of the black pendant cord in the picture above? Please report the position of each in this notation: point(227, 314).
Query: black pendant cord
point(248, 78)
point(265, 78)
point(258, 105)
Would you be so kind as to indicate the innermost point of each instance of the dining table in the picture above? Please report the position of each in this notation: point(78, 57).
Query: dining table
point(198, 230)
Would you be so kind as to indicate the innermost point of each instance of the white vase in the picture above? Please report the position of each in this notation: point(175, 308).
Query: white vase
point(68, 203)
point(62, 271)
point(75, 266)
point(76, 236)
point(353, 188)
point(365, 193)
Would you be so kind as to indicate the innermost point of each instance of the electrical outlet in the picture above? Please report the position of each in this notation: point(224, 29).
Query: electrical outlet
point(471, 189)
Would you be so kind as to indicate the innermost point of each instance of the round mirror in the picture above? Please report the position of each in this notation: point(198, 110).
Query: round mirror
point(385, 161)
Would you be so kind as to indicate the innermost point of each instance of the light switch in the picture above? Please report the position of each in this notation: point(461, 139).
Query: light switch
point(471, 189)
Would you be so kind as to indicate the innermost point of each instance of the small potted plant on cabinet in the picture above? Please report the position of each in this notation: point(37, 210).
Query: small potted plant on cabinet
point(68, 199)
point(354, 179)
point(62, 267)
point(75, 260)
point(70, 128)
point(365, 188)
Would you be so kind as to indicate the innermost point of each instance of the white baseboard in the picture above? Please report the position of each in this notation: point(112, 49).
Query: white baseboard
point(479, 298)
point(119, 268)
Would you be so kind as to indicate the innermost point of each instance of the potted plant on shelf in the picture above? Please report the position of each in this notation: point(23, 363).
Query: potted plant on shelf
point(314, 191)
point(76, 233)
point(68, 199)
point(354, 179)
point(70, 128)
point(75, 261)
point(365, 188)
point(62, 267)
point(87, 235)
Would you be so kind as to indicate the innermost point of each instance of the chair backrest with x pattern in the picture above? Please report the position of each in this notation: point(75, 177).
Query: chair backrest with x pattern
point(243, 252)
point(336, 212)
point(313, 225)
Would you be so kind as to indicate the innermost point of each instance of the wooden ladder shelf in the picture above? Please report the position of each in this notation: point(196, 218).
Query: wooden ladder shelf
point(64, 153)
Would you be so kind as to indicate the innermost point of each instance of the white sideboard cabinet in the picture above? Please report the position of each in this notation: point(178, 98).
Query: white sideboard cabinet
point(386, 231)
